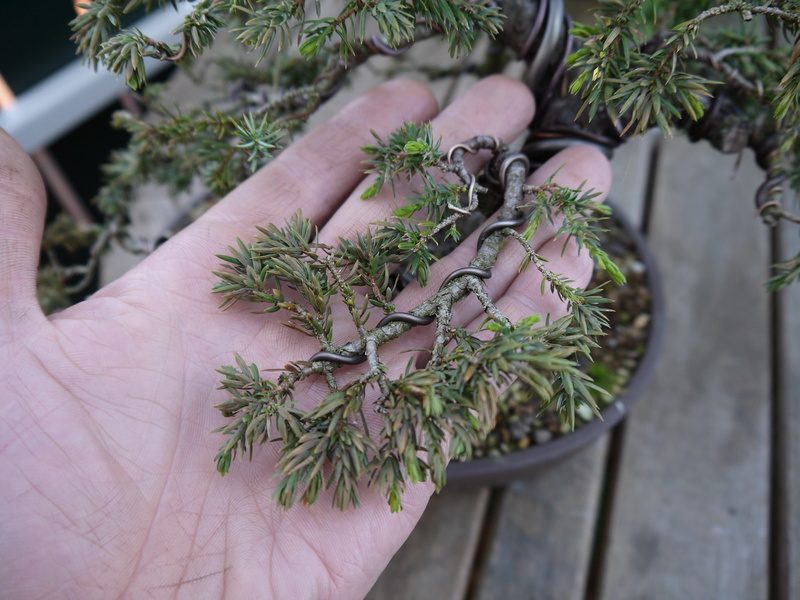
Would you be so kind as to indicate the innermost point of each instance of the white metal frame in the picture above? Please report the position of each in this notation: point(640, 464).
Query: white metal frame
point(65, 99)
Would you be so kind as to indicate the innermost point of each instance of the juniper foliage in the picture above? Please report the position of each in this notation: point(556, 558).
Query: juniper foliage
point(643, 62)
point(640, 64)
point(429, 414)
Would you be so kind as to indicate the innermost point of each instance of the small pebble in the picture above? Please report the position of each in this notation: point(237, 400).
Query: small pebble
point(585, 412)
point(638, 267)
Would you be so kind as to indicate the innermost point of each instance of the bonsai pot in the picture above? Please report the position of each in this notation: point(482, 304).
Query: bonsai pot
point(495, 470)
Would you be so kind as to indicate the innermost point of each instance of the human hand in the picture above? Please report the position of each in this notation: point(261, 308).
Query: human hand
point(107, 484)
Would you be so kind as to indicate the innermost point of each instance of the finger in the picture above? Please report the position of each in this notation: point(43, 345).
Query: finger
point(516, 294)
point(583, 167)
point(318, 171)
point(498, 106)
point(23, 204)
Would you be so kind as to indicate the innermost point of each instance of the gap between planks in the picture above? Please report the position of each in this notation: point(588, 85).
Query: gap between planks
point(785, 522)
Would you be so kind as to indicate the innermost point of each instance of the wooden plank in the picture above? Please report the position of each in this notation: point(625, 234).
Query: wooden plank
point(542, 541)
point(789, 397)
point(690, 518)
point(631, 166)
point(545, 523)
point(436, 559)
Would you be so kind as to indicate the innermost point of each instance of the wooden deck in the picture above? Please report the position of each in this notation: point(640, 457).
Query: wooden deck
point(697, 494)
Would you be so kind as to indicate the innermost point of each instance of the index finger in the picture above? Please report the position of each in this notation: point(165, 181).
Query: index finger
point(318, 171)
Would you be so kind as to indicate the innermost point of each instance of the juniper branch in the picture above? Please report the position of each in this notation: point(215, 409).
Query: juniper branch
point(425, 405)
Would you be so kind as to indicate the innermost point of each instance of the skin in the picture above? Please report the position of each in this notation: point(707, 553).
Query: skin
point(107, 482)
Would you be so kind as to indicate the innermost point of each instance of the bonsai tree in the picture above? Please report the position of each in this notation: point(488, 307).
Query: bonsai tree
point(640, 64)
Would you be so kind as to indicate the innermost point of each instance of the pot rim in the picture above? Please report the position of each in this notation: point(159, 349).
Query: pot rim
point(494, 470)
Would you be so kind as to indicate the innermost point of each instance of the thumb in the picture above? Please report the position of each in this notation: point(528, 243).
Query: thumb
point(22, 211)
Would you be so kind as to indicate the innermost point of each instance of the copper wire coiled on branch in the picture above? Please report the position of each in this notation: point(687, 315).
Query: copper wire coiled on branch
point(417, 320)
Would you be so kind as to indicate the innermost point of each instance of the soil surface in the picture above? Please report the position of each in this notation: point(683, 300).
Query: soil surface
point(612, 365)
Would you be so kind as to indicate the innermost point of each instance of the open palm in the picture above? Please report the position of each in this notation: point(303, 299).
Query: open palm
point(107, 482)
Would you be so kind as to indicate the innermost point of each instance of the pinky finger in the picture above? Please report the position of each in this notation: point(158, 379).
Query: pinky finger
point(531, 293)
